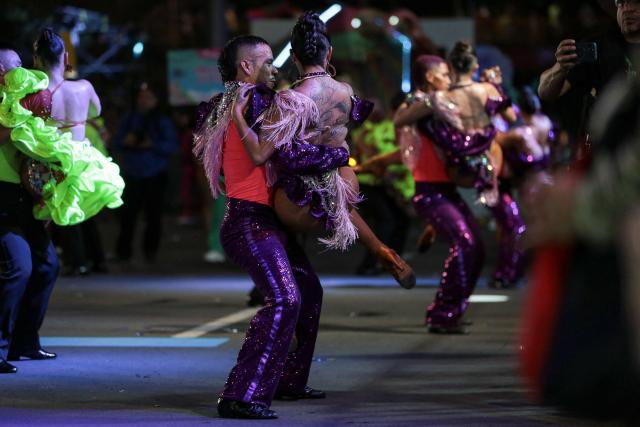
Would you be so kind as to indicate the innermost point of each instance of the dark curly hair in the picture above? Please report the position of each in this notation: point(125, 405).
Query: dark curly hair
point(48, 47)
point(310, 40)
point(228, 60)
point(463, 57)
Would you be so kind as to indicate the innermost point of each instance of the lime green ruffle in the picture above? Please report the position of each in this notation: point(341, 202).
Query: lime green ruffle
point(92, 181)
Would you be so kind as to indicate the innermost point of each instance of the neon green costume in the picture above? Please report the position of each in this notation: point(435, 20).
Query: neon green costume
point(382, 138)
point(91, 180)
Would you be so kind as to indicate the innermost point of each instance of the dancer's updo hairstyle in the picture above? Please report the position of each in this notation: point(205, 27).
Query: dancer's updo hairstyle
point(309, 39)
point(463, 57)
point(48, 47)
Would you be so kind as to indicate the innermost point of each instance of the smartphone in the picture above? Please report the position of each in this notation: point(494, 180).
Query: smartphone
point(587, 53)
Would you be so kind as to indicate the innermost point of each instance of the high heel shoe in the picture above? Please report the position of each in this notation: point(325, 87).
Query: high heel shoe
point(399, 269)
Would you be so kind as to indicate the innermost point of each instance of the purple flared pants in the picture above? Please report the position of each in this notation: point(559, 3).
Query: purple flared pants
point(441, 205)
point(510, 266)
point(253, 238)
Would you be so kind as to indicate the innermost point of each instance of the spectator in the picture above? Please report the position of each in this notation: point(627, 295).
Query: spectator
point(145, 140)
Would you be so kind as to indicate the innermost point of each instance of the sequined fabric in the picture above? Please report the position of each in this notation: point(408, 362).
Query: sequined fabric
point(252, 237)
point(522, 164)
point(463, 152)
point(510, 266)
point(360, 109)
point(301, 168)
point(442, 206)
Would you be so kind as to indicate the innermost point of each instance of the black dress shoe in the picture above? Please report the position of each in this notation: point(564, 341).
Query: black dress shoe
point(7, 368)
point(308, 393)
point(33, 355)
point(236, 409)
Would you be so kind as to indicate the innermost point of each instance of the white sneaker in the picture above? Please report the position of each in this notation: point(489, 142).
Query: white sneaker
point(214, 256)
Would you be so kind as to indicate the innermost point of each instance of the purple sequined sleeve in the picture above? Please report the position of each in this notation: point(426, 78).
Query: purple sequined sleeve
point(497, 105)
point(308, 159)
point(204, 109)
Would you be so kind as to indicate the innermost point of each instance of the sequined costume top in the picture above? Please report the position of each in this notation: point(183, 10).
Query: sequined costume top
point(465, 152)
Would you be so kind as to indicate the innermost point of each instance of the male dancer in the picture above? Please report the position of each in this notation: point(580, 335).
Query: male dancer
point(253, 238)
point(28, 260)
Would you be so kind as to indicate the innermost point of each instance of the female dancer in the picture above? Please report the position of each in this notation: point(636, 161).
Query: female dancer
point(314, 114)
point(73, 104)
point(71, 180)
point(527, 155)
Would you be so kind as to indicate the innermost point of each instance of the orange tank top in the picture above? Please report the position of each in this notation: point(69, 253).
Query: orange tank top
point(243, 180)
point(429, 168)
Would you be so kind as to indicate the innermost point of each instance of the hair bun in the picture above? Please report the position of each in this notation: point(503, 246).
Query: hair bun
point(309, 38)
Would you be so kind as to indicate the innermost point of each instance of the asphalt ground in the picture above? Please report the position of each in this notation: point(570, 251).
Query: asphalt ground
point(120, 362)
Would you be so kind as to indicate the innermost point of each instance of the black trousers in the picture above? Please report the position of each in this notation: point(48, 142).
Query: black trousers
point(28, 271)
point(144, 195)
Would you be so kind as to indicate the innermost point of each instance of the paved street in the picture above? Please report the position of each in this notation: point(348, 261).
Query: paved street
point(374, 358)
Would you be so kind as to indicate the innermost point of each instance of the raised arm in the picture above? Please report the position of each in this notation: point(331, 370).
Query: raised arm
point(553, 81)
point(409, 113)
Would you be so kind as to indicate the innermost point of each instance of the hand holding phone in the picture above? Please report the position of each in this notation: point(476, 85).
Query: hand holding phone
point(587, 53)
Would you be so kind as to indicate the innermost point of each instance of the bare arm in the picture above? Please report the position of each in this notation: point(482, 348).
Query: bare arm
point(553, 82)
point(409, 114)
point(258, 151)
point(94, 100)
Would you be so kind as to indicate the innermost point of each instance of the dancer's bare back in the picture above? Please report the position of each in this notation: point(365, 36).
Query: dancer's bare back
point(71, 105)
point(333, 99)
point(470, 101)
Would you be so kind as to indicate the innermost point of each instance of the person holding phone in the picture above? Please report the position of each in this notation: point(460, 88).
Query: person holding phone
point(582, 70)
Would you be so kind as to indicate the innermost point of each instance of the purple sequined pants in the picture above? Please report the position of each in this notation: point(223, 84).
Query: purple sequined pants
point(510, 267)
point(254, 239)
point(440, 205)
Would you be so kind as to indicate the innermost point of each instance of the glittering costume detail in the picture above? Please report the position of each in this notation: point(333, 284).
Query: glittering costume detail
point(510, 267)
point(209, 138)
point(465, 152)
point(308, 172)
point(442, 206)
point(253, 238)
point(81, 181)
point(360, 109)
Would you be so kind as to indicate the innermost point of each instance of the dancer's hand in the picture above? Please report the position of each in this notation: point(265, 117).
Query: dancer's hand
point(492, 75)
point(242, 99)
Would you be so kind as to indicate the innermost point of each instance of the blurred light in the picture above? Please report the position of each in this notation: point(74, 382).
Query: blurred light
point(488, 298)
point(330, 13)
point(138, 48)
point(406, 60)
point(394, 20)
point(356, 22)
point(282, 57)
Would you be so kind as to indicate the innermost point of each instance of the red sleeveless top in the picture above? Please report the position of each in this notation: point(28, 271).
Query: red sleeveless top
point(429, 168)
point(243, 180)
